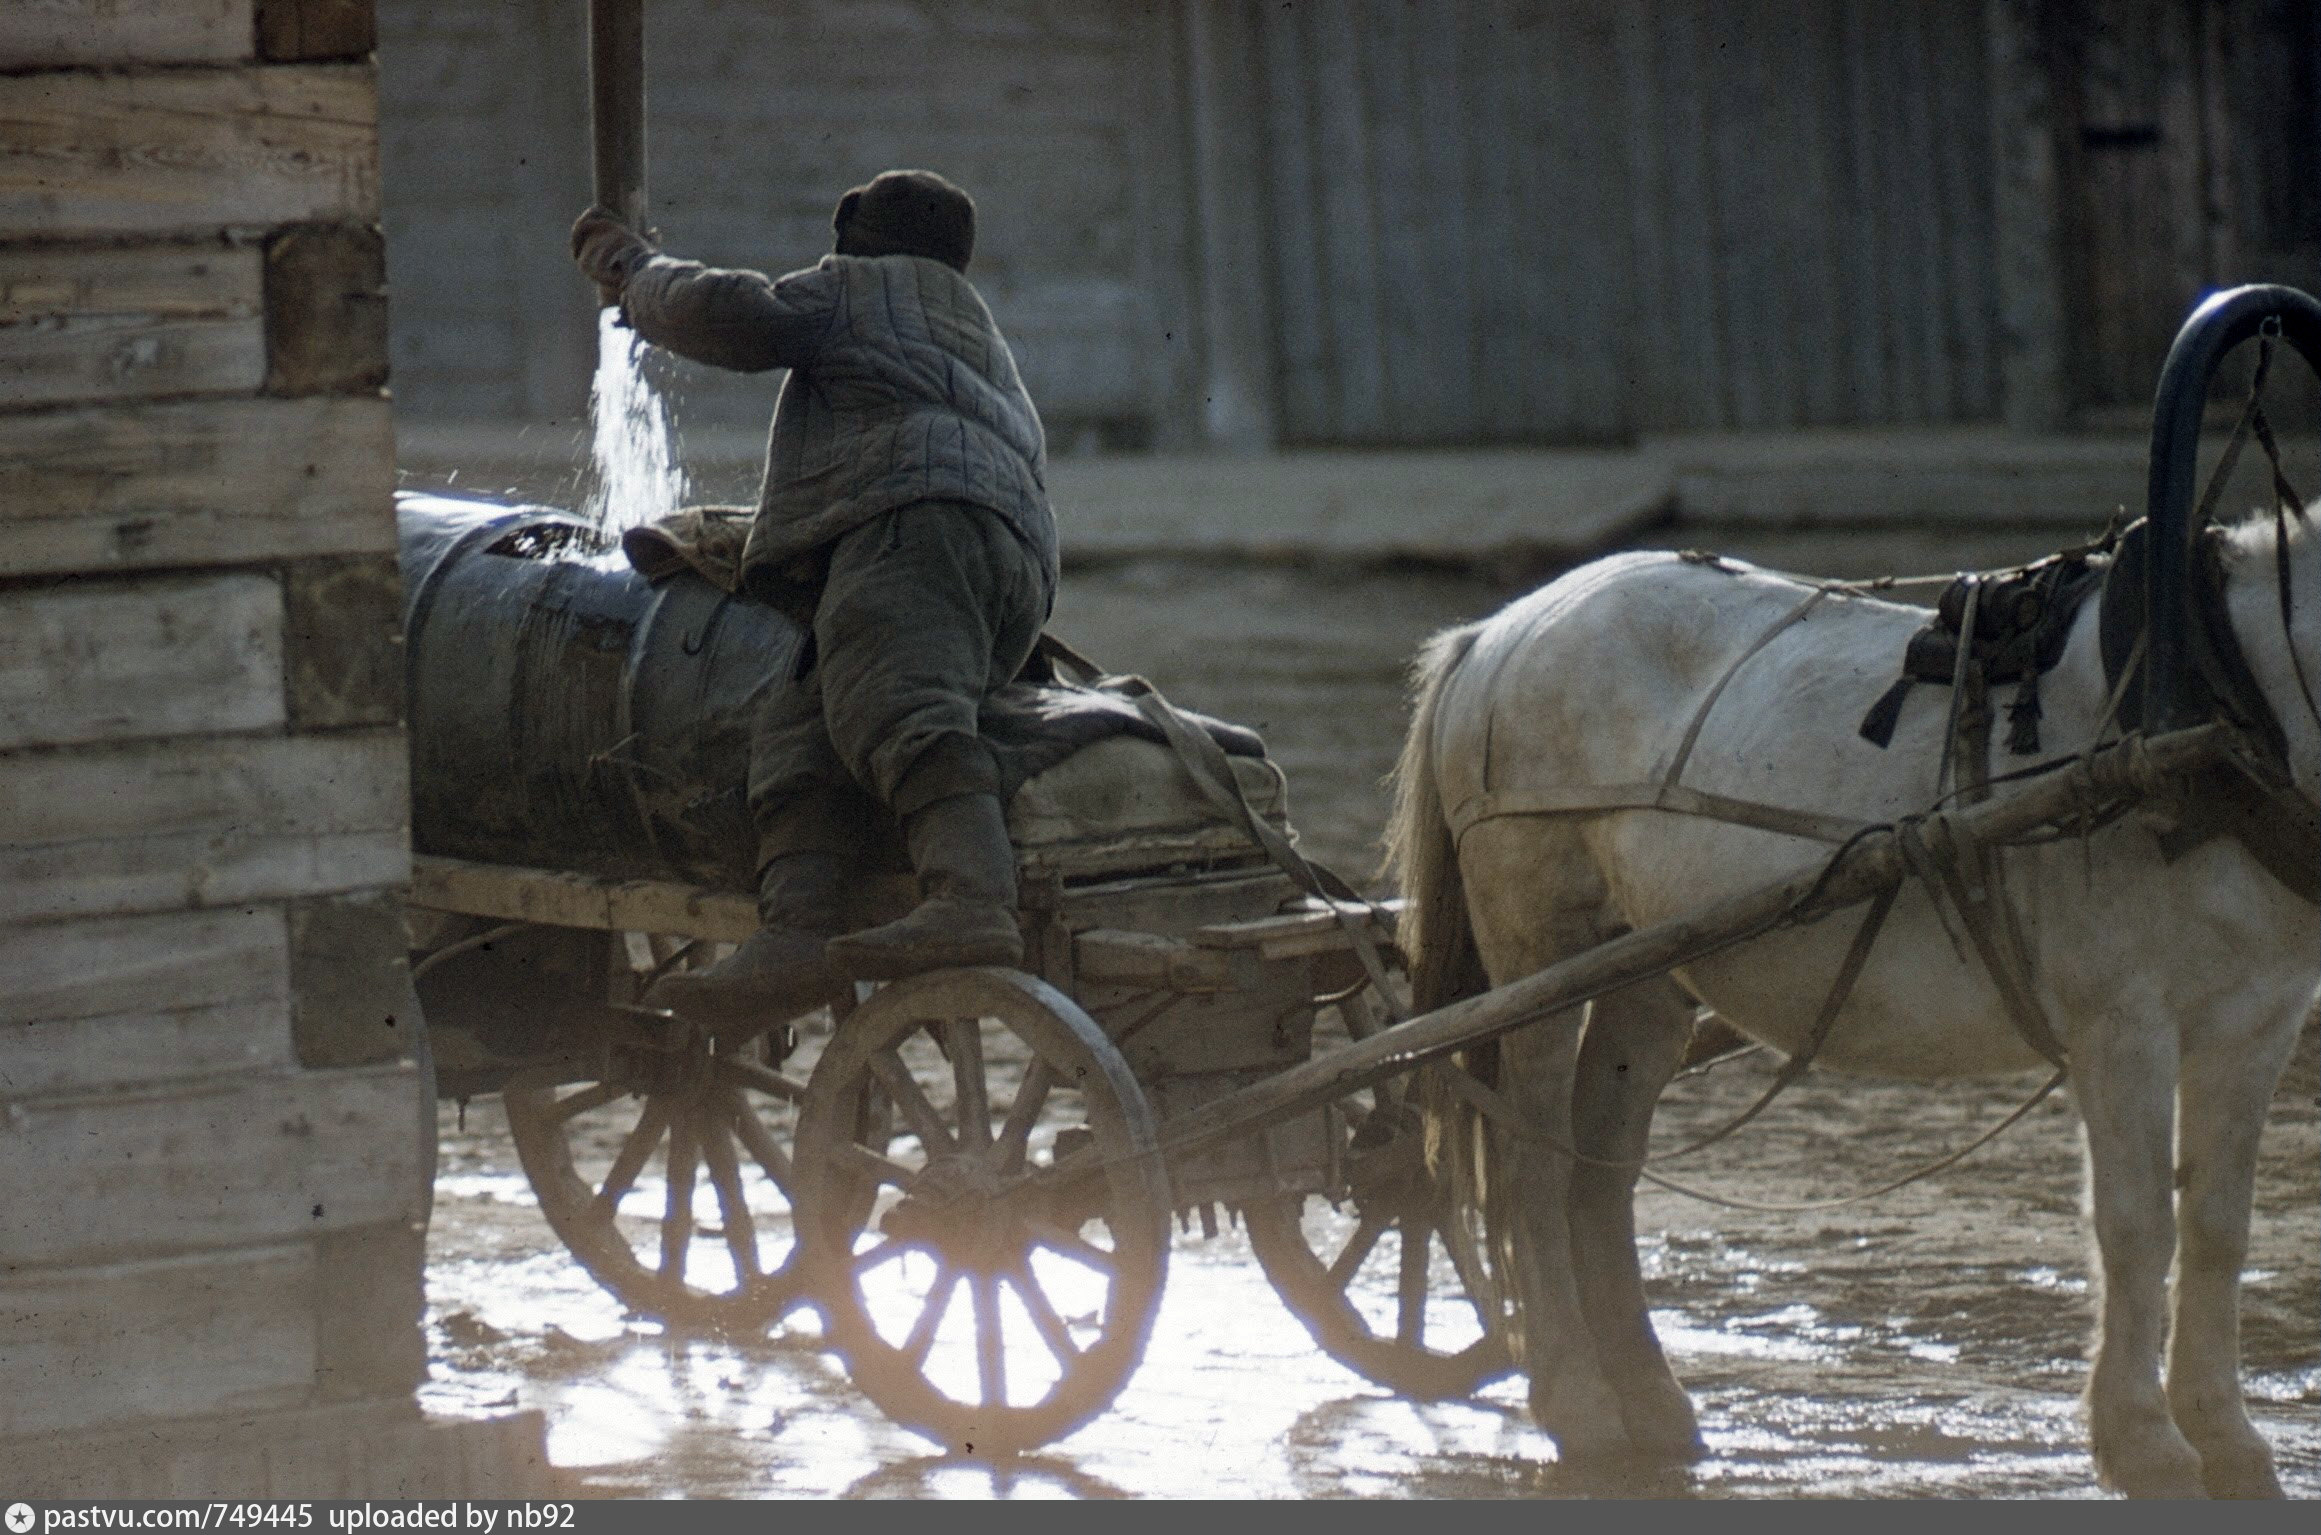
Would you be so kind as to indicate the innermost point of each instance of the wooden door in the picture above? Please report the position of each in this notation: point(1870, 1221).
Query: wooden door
point(2188, 158)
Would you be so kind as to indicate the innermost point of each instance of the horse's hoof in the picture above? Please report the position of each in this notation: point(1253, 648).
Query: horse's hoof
point(2156, 1476)
point(2226, 1475)
point(1662, 1425)
point(1586, 1425)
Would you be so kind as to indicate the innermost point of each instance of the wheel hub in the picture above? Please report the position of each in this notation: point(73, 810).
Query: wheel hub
point(659, 1056)
point(959, 1207)
point(1386, 1165)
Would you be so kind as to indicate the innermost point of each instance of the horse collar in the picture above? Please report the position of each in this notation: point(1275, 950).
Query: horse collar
point(2251, 799)
point(2224, 686)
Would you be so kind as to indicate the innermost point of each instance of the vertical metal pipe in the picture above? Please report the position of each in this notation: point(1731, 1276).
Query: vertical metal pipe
point(2215, 328)
point(616, 97)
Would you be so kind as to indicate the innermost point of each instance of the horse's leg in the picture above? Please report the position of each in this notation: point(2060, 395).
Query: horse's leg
point(2226, 1088)
point(2123, 1074)
point(1571, 1396)
point(1634, 1043)
point(1533, 899)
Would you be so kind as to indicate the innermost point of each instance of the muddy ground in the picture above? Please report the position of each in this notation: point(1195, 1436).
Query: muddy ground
point(1927, 1343)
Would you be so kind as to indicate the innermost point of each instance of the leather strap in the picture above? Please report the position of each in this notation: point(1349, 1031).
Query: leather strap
point(1667, 793)
point(1962, 874)
point(1212, 772)
point(1595, 799)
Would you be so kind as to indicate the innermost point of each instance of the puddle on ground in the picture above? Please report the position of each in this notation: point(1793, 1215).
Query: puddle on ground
point(1931, 1343)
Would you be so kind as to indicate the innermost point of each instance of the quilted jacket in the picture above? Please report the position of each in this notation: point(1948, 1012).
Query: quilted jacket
point(900, 389)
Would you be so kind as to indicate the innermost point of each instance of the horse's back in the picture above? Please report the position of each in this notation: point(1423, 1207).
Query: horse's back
point(1599, 678)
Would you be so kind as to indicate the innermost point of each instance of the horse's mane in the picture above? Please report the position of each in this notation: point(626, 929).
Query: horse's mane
point(2253, 537)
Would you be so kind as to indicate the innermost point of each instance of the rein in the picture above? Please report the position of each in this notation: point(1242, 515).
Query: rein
point(1939, 872)
point(2287, 505)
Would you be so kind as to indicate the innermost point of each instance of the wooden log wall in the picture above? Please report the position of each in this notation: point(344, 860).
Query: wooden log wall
point(210, 1117)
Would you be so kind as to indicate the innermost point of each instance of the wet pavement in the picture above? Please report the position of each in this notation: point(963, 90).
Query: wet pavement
point(1928, 1343)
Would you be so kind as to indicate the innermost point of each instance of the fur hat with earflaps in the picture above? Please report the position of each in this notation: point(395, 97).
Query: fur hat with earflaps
point(907, 213)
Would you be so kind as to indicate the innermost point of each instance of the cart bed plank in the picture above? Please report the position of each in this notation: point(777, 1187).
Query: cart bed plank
point(556, 898)
point(1297, 933)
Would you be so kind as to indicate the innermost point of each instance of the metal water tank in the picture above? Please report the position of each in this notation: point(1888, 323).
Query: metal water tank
point(564, 713)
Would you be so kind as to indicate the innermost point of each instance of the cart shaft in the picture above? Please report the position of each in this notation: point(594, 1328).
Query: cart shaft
point(2135, 767)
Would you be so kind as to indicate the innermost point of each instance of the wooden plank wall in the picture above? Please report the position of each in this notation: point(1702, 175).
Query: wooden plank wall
point(1386, 221)
point(2135, 164)
point(209, 1116)
point(2190, 159)
point(760, 117)
point(484, 152)
point(1560, 220)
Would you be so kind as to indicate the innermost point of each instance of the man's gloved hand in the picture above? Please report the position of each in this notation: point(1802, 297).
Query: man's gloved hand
point(608, 250)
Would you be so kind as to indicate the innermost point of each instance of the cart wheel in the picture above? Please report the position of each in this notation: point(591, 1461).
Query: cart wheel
point(711, 1247)
point(980, 1299)
point(1388, 1280)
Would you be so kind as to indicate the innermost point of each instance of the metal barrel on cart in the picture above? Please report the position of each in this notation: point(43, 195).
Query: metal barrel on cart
point(563, 707)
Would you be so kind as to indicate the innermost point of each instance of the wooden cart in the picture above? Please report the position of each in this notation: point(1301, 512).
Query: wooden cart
point(1162, 974)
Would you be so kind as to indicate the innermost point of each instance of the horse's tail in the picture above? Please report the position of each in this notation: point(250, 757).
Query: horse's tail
point(1436, 940)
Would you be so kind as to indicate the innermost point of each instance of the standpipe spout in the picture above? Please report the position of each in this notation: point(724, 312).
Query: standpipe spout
point(616, 102)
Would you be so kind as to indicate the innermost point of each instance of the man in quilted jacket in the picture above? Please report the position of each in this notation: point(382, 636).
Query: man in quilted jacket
point(905, 520)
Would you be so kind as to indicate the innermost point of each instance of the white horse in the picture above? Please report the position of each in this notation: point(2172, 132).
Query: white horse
point(2177, 987)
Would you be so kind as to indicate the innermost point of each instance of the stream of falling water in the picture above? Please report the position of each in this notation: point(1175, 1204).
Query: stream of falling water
point(636, 476)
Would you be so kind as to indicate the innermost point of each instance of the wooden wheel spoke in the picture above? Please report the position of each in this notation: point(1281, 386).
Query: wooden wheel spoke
point(739, 1073)
point(1070, 1244)
point(963, 1040)
point(864, 1160)
point(904, 1090)
point(1036, 1304)
point(762, 1146)
point(1015, 1135)
point(922, 1339)
point(741, 1235)
point(885, 1252)
point(990, 1341)
point(1397, 1353)
point(1358, 1246)
point(1473, 1278)
point(1410, 1286)
point(677, 1214)
point(635, 1151)
point(573, 1105)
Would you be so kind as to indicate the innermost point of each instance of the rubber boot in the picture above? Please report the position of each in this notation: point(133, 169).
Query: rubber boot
point(966, 916)
point(780, 971)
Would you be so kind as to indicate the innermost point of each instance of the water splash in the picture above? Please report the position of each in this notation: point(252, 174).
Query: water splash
point(636, 474)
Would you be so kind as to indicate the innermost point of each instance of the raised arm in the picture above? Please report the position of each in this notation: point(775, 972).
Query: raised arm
point(724, 317)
